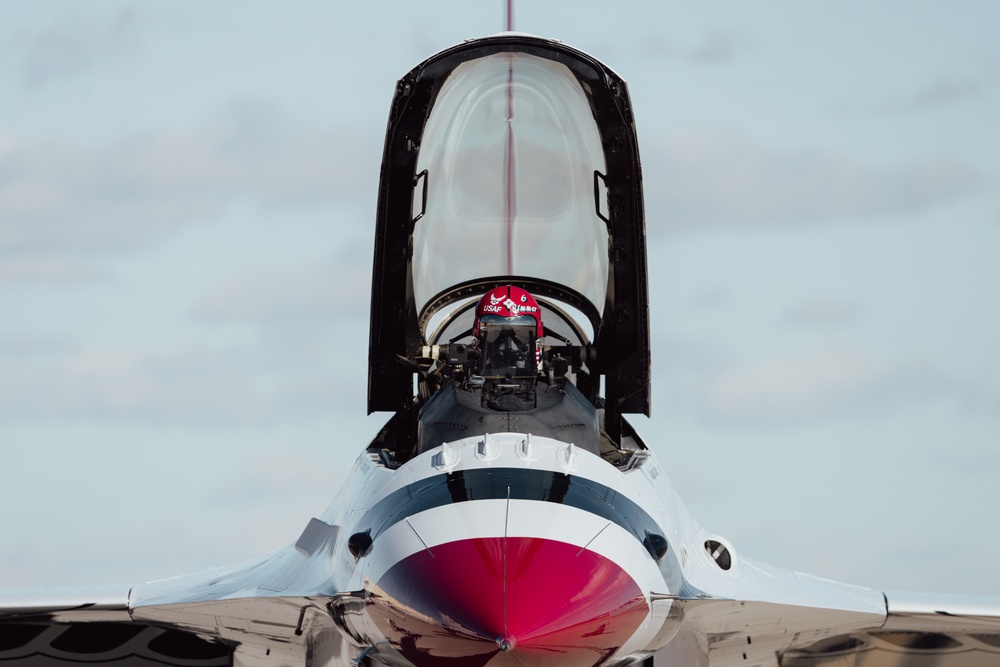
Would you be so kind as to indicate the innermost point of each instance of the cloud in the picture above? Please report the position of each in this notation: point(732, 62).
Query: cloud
point(290, 295)
point(828, 381)
point(35, 346)
point(711, 298)
point(690, 363)
point(944, 91)
point(813, 384)
point(822, 312)
point(47, 270)
point(710, 179)
point(73, 45)
point(831, 381)
point(194, 384)
point(720, 48)
point(58, 196)
point(655, 46)
point(948, 90)
point(717, 48)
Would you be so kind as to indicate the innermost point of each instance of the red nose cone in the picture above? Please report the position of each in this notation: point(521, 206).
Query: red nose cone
point(535, 603)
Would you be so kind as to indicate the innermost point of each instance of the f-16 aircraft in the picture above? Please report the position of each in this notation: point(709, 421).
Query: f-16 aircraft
point(507, 514)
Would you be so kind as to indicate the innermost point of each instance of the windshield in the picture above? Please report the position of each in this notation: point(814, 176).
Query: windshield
point(510, 151)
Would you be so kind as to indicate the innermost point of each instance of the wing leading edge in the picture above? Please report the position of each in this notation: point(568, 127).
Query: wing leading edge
point(269, 611)
point(766, 617)
point(920, 629)
point(41, 627)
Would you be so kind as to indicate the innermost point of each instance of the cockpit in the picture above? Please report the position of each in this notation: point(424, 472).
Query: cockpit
point(510, 170)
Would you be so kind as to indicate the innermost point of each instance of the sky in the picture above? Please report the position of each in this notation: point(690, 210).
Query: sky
point(187, 201)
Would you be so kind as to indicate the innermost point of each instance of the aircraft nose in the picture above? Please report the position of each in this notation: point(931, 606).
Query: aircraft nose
point(522, 602)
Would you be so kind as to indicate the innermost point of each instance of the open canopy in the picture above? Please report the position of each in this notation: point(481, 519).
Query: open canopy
point(511, 160)
point(508, 160)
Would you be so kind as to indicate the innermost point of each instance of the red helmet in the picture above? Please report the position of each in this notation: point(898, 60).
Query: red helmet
point(510, 303)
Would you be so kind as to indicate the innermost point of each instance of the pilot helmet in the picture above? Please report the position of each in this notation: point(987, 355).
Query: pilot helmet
point(508, 305)
point(509, 330)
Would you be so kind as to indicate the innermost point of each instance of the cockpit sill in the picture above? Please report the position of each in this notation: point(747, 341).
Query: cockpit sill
point(629, 453)
point(633, 454)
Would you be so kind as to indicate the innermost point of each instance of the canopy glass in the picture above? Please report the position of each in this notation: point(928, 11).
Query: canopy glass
point(510, 181)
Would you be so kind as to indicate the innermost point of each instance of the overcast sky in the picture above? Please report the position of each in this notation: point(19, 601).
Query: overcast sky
point(187, 196)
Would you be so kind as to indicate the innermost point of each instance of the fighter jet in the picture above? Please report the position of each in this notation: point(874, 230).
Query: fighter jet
point(507, 514)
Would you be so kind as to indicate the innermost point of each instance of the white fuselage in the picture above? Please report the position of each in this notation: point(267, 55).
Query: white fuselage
point(510, 548)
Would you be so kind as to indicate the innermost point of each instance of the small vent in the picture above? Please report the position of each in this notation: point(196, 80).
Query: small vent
point(360, 543)
point(719, 553)
point(656, 545)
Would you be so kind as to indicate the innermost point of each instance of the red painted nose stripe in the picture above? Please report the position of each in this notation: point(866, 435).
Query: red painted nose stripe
point(557, 604)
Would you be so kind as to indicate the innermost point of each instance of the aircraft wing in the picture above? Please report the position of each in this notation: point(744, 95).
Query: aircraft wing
point(772, 617)
point(93, 625)
point(269, 611)
point(920, 629)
